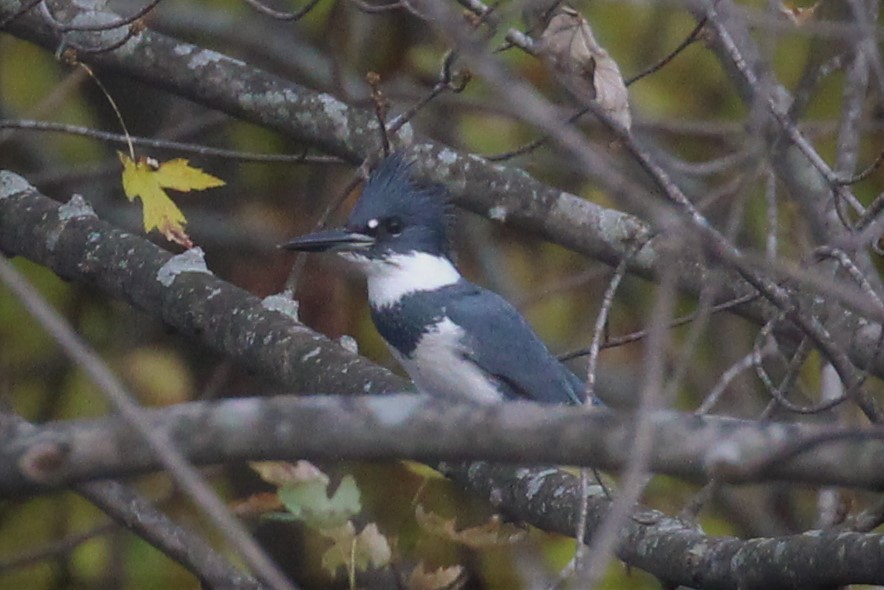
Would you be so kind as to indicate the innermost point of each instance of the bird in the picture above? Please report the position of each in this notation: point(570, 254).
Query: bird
point(456, 340)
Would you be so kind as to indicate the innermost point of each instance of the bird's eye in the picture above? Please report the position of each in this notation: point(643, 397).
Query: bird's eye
point(371, 228)
point(393, 226)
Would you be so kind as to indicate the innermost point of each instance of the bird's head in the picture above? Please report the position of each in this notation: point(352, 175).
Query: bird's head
point(393, 216)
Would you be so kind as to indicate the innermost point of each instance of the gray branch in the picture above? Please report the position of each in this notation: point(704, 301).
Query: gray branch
point(138, 515)
point(129, 509)
point(408, 426)
point(322, 121)
point(76, 245)
point(501, 193)
point(675, 552)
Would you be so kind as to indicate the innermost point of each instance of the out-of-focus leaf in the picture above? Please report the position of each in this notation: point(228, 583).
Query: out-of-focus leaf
point(310, 502)
point(257, 504)
point(444, 578)
point(369, 548)
point(797, 14)
point(583, 66)
point(160, 377)
point(146, 179)
point(493, 533)
point(280, 473)
point(422, 470)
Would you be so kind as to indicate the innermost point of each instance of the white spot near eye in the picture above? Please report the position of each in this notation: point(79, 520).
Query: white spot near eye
point(373, 223)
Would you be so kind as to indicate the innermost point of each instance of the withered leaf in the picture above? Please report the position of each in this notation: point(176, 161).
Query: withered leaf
point(583, 66)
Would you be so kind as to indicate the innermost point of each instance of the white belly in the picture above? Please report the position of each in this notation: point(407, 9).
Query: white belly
point(439, 367)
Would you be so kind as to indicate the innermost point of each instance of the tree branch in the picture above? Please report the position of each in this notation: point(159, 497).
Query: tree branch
point(263, 335)
point(678, 553)
point(320, 120)
point(151, 437)
point(408, 426)
point(132, 511)
point(500, 193)
point(140, 517)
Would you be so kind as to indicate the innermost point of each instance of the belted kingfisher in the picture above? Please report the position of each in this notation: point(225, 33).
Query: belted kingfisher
point(453, 338)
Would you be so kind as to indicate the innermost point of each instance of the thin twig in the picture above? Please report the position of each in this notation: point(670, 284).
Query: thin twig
point(532, 145)
point(743, 364)
point(70, 50)
point(633, 480)
point(448, 80)
point(871, 215)
point(291, 282)
point(793, 133)
point(377, 8)
point(184, 474)
point(641, 334)
point(279, 15)
point(793, 369)
point(162, 144)
point(63, 546)
point(855, 273)
point(868, 171)
point(381, 108)
point(25, 8)
point(122, 22)
point(689, 40)
point(597, 335)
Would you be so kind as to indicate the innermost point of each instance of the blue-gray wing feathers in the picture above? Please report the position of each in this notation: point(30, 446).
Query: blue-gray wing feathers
point(501, 343)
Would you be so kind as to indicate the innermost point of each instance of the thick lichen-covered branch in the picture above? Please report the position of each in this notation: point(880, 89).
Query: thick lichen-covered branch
point(265, 335)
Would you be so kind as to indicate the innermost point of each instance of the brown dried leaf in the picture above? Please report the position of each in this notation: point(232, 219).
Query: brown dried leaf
point(493, 533)
point(444, 578)
point(583, 66)
point(797, 14)
point(256, 505)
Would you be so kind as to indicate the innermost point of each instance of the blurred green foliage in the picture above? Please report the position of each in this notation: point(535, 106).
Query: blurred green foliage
point(689, 108)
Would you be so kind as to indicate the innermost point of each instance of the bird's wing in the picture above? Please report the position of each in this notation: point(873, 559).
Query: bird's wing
point(501, 343)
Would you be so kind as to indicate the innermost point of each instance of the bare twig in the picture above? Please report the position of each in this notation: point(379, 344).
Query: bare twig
point(855, 273)
point(747, 362)
point(689, 40)
point(779, 392)
point(122, 22)
point(448, 80)
point(23, 9)
point(279, 15)
point(597, 335)
point(641, 334)
point(632, 482)
point(377, 8)
point(163, 144)
point(291, 282)
point(184, 474)
point(51, 550)
point(868, 171)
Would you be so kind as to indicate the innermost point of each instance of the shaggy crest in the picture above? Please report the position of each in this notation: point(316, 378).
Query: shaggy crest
point(392, 192)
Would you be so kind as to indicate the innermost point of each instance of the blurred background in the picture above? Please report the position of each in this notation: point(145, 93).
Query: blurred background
point(687, 112)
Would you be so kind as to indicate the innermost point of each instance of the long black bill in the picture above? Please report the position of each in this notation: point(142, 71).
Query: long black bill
point(332, 240)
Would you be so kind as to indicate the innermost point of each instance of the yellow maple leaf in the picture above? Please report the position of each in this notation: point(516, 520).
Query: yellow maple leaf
point(147, 179)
